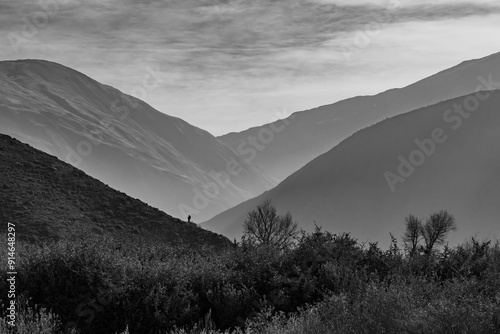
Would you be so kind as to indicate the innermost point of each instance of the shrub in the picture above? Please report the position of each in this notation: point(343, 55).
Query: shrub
point(30, 319)
point(326, 284)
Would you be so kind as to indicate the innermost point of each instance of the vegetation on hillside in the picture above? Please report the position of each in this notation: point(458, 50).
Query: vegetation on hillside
point(323, 283)
point(93, 260)
point(47, 198)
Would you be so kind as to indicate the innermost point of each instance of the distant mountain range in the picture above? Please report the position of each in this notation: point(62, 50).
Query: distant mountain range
point(48, 199)
point(332, 175)
point(445, 156)
point(123, 141)
point(283, 147)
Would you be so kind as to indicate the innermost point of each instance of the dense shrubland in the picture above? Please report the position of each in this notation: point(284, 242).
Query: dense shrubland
point(321, 283)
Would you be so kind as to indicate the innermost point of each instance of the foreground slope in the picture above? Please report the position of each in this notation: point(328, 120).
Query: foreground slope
point(305, 135)
point(364, 187)
point(46, 198)
point(122, 141)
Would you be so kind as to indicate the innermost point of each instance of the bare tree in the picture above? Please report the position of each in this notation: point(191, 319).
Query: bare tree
point(264, 226)
point(412, 235)
point(436, 229)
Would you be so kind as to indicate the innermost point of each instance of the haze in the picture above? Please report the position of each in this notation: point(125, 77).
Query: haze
point(229, 65)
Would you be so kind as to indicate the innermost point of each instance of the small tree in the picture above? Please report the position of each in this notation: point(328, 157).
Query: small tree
point(412, 235)
point(436, 229)
point(263, 226)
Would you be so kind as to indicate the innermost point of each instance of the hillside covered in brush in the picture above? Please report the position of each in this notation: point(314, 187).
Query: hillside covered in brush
point(122, 141)
point(47, 199)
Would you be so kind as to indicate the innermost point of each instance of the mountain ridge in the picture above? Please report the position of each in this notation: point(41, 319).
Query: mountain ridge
point(122, 140)
point(317, 130)
point(345, 189)
point(48, 199)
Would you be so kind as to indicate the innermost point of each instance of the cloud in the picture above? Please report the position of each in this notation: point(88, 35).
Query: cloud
point(218, 55)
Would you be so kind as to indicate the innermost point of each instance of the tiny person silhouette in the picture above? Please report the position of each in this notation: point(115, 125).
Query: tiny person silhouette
point(189, 218)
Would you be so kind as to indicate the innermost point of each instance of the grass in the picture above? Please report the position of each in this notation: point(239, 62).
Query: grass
point(325, 284)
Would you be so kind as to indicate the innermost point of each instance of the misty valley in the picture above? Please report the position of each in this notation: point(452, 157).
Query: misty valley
point(250, 167)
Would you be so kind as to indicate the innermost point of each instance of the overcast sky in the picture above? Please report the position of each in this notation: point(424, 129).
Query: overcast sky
point(226, 65)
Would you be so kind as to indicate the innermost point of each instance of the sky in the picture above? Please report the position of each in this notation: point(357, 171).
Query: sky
point(227, 65)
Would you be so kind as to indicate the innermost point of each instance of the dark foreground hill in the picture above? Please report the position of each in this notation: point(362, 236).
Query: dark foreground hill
point(122, 141)
point(46, 199)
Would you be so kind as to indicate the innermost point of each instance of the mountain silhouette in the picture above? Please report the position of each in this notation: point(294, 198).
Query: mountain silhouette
point(437, 157)
point(284, 146)
point(48, 199)
point(123, 141)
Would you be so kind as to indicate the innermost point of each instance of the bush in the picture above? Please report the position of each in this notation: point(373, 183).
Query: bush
point(30, 319)
point(327, 283)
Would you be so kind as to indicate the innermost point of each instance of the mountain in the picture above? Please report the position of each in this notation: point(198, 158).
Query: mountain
point(282, 147)
point(433, 158)
point(46, 198)
point(123, 141)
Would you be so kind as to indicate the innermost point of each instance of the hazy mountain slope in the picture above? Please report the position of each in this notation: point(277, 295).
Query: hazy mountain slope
point(346, 189)
point(45, 198)
point(310, 133)
point(121, 140)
